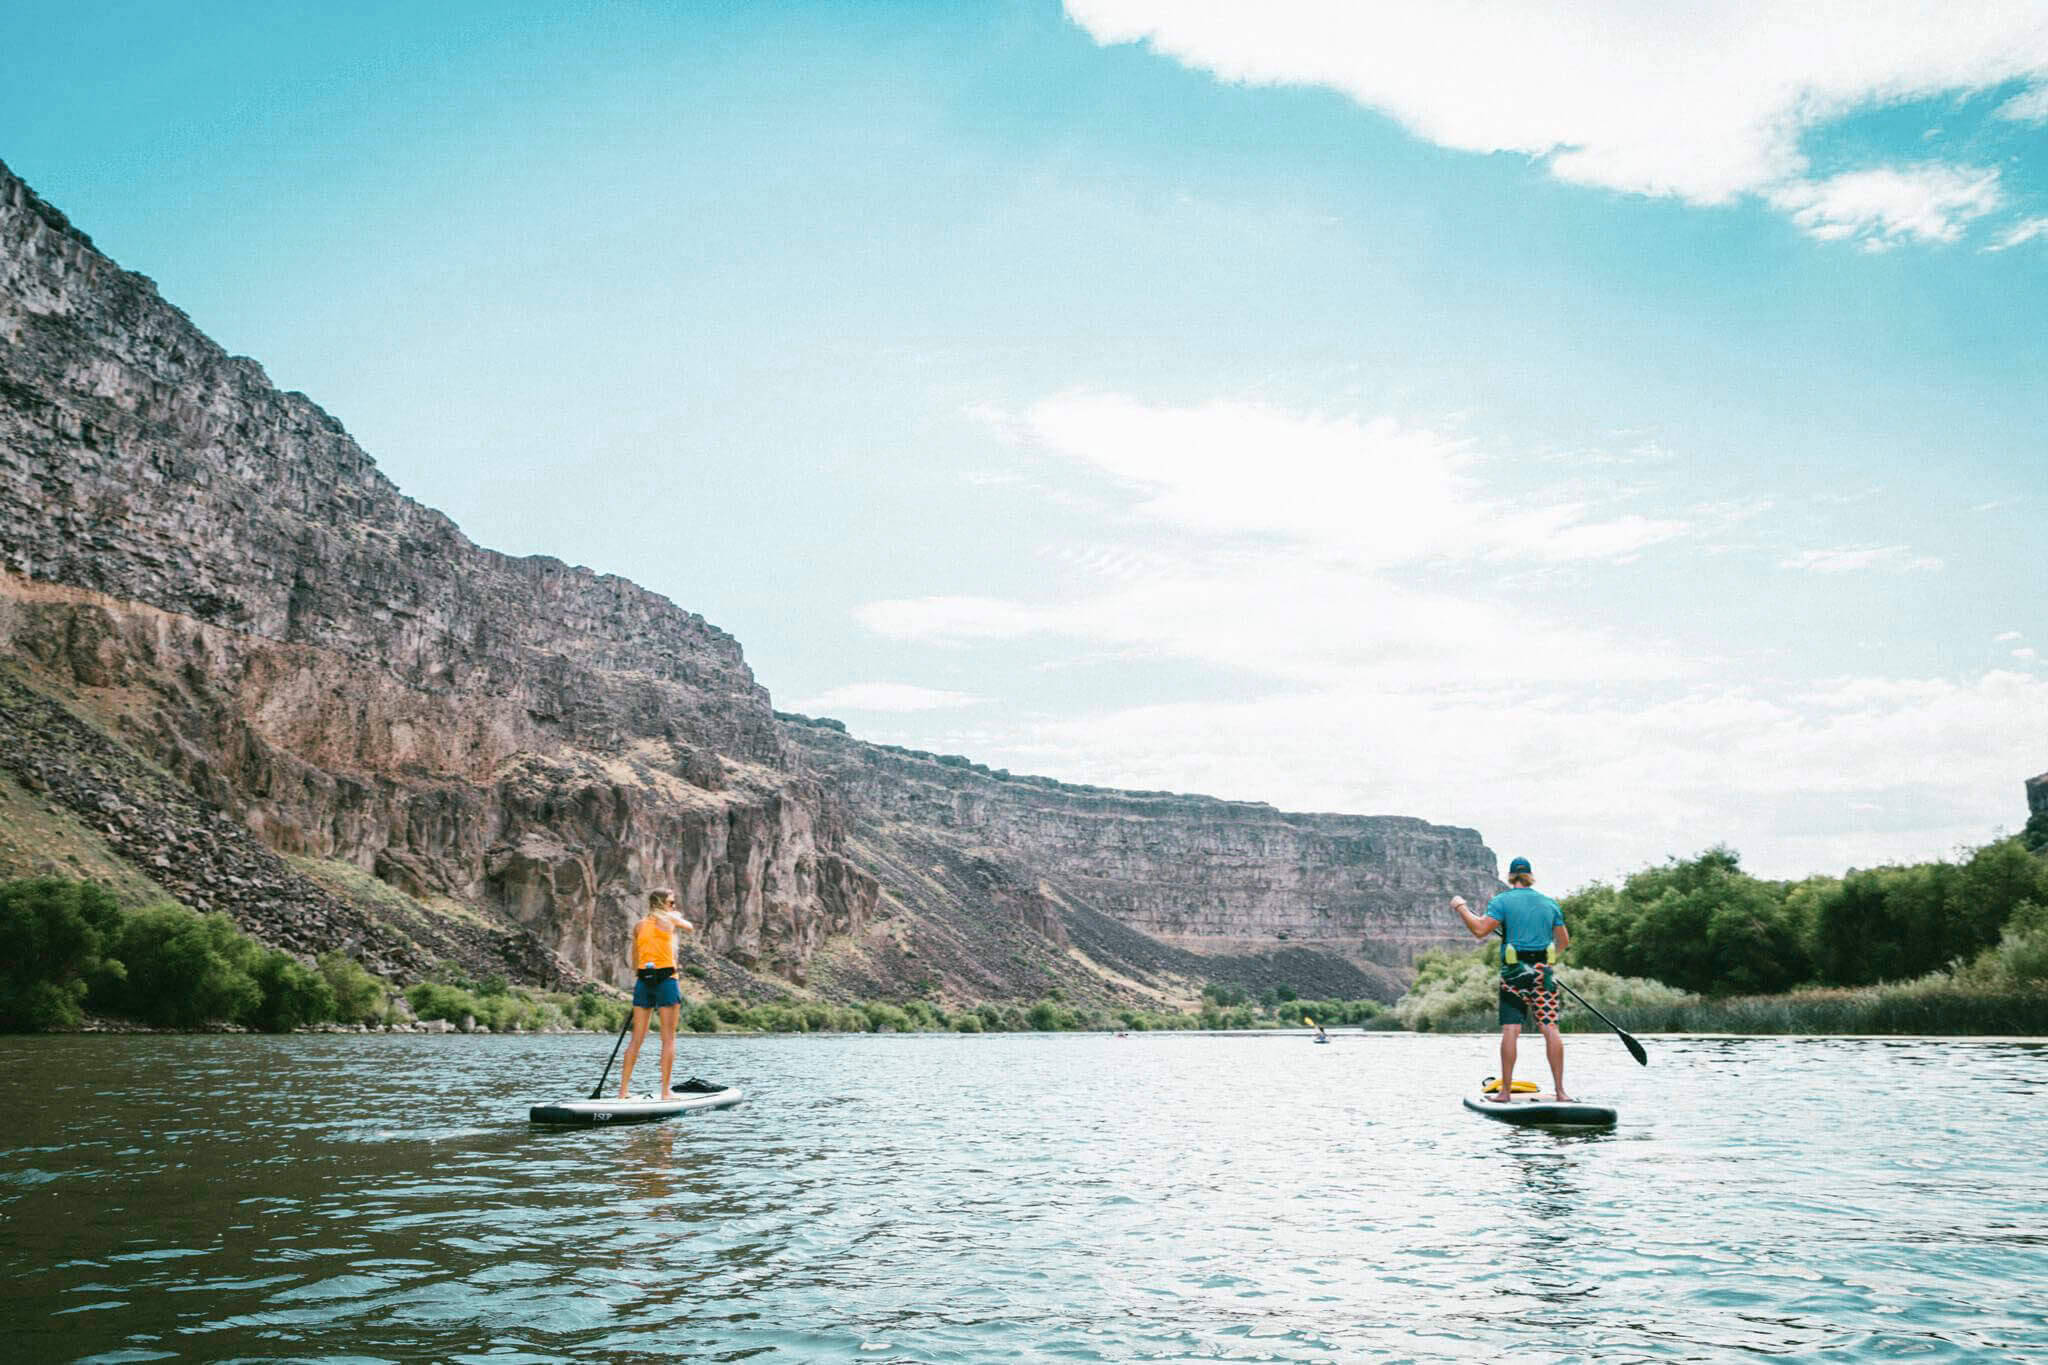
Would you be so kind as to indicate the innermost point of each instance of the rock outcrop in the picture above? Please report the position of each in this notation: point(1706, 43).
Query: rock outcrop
point(258, 610)
point(1224, 884)
point(2037, 795)
point(261, 666)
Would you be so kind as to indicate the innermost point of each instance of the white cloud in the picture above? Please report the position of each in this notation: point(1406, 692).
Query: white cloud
point(2028, 655)
point(2030, 107)
point(1706, 103)
point(2005, 637)
point(1299, 548)
point(952, 620)
point(1883, 207)
point(1291, 618)
point(2020, 233)
point(1367, 489)
point(1859, 559)
point(882, 696)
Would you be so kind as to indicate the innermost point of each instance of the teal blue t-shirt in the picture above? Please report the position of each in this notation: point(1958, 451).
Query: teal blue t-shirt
point(1526, 917)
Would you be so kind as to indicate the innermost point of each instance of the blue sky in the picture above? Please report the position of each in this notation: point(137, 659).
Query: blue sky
point(1618, 430)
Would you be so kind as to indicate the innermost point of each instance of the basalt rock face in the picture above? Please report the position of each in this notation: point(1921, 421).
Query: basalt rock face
point(236, 659)
point(2037, 795)
point(1223, 885)
point(218, 573)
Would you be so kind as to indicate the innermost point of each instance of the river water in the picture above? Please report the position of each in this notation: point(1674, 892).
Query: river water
point(940, 1198)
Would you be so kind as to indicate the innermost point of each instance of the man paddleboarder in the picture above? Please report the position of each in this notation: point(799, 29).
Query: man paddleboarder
point(654, 984)
point(1532, 939)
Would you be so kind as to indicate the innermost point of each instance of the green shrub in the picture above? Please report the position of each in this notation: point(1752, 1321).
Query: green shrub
point(729, 1010)
point(883, 1018)
point(2034, 837)
point(965, 1022)
point(703, 1019)
point(1046, 1017)
point(185, 969)
point(437, 1000)
point(494, 984)
point(776, 1018)
point(292, 994)
point(54, 935)
point(358, 997)
point(594, 1011)
point(2020, 961)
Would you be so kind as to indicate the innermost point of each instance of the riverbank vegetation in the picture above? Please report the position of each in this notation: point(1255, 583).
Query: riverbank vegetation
point(1695, 945)
point(1699, 945)
point(68, 949)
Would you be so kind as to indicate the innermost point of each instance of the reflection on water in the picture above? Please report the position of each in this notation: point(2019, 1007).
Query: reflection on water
point(1027, 1198)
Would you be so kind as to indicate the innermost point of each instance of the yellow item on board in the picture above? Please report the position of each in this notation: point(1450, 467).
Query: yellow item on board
point(1492, 1086)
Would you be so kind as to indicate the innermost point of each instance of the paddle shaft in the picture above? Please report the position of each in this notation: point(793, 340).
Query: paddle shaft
point(598, 1089)
point(1635, 1049)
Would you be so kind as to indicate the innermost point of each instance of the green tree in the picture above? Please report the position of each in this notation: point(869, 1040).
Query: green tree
point(1882, 924)
point(53, 937)
point(438, 1000)
point(2034, 837)
point(292, 994)
point(1702, 924)
point(185, 969)
point(1982, 895)
point(358, 996)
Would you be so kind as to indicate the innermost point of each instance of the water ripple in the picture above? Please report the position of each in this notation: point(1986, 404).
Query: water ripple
point(1159, 1198)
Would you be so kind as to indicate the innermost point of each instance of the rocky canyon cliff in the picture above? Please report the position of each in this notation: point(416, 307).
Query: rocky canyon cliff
point(243, 669)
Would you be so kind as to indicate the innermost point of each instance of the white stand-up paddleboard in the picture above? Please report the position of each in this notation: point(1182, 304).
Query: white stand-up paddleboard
point(638, 1109)
point(1546, 1113)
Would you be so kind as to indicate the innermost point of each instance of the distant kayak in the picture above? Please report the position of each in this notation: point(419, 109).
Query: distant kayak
point(1546, 1113)
point(638, 1109)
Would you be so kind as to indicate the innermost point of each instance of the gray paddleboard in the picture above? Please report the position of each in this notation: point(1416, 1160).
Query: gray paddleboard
point(638, 1109)
point(1532, 1113)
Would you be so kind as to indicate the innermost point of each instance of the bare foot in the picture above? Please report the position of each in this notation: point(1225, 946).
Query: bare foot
point(1561, 1098)
point(1500, 1099)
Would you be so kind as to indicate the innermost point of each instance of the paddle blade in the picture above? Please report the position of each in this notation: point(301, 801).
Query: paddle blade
point(1635, 1049)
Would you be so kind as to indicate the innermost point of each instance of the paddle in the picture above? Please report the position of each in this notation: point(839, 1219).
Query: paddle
point(597, 1090)
point(1635, 1049)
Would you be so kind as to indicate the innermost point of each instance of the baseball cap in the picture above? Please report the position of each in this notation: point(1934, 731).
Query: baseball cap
point(1518, 865)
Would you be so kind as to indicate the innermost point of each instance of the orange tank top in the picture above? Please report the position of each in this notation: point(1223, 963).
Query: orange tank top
point(654, 944)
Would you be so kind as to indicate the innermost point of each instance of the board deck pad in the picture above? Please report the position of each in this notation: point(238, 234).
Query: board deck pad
point(1546, 1113)
point(637, 1109)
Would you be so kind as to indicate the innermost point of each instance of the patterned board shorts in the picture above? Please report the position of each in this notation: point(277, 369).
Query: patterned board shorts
point(1539, 1000)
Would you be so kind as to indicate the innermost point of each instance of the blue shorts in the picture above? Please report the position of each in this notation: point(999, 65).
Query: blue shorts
point(655, 994)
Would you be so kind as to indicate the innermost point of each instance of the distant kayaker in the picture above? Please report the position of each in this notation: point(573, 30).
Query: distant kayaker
point(654, 984)
point(1533, 938)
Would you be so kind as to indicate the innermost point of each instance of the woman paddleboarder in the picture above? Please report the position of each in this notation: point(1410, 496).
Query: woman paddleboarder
point(654, 984)
point(1532, 939)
